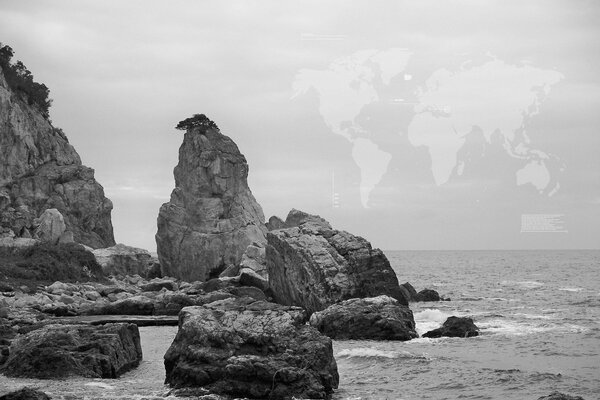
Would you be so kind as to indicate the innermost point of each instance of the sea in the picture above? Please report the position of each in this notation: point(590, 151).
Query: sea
point(539, 317)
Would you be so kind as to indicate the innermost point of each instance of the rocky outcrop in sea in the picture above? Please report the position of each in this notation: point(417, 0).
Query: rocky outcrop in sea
point(313, 266)
point(212, 216)
point(40, 170)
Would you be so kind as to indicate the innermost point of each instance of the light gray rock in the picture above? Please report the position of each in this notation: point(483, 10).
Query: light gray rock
point(51, 226)
point(313, 266)
point(120, 260)
point(212, 216)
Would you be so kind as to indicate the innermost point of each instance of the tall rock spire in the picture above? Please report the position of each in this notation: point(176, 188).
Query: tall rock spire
point(212, 216)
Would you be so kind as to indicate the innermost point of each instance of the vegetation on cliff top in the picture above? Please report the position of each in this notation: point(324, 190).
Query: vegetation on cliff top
point(197, 120)
point(20, 80)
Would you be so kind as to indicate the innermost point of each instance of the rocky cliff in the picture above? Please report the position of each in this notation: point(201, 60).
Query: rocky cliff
point(212, 216)
point(40, 170)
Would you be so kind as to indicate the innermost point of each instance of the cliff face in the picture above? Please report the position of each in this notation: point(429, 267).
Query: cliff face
point(40, 170)
point(212, 216)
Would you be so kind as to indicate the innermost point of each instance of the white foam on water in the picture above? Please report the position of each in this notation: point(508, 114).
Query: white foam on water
point(523, 284)
point(368, 352)
point(514, 328)
point(430, 318)
point(571, 289)
point(534, 316)
point(101, 385)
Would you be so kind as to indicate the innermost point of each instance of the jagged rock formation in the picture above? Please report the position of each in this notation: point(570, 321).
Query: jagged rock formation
point(372, 318)
point(212, 216)
point(40, 170)
point(251, 349)
point(462, 327)
point(312, 265)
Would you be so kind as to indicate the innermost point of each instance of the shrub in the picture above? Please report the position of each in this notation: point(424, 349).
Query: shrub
point(20, 80)
point(197, 120)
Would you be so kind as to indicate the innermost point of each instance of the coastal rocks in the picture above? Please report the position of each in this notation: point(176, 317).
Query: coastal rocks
point(313, 266)
point(40, 170)
point(455, 327)
point(59, 351)
point(120, 260)
point(560, 396)
point(254, 349)
point(212, 216)
point(424, 295)
point(375, 318)
point(26, 394)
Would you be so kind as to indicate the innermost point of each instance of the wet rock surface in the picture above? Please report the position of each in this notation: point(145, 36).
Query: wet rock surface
point(455, 327)
point(375, 318)
point(58, 351)
point(254, 349)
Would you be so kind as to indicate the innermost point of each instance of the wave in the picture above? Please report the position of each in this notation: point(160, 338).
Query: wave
point(369, 352)
point(430, 318)
point(523, 284)
point(571, 289)
point(513, 328)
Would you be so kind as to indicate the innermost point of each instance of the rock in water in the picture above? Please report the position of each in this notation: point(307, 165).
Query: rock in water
point(254, 349)
point(40, 170)
point(59, 351)
point(26, 394)
point(560, 396)
point(212, 216)
point(455, 327)
point(313, 266)
point(375, 318)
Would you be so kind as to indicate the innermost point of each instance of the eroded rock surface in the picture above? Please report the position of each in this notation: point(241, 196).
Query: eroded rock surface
point(58, 351)
point(374, 318)
point(123, 260)
point(312, 265)
point(40, 170)
point(255, 349)
point(212, 216)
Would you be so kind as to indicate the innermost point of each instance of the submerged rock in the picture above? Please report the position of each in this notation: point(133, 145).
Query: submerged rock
point(59, 351)
point(428, 295)
point(560, 396)
point(212, 216)
point(254, 349)
point(311, 265)
point(455, 327)
point(26, 394)
point(40, 170)
point(375, 318)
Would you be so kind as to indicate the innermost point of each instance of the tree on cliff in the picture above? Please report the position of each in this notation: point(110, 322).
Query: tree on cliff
point(194, 121)
point(20, 80)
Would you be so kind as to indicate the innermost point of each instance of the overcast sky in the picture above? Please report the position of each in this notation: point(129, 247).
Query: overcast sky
point(123, 73)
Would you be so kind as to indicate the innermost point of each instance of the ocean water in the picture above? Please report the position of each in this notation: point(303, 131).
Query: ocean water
point(539, 314)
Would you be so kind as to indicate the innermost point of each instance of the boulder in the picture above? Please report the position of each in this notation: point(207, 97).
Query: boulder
point(275, 223)
point(59, 351)
point(455, 327)
point(26, 394)
point(123, 260)
point(40, 170)
point(254, 258)
point(409, 291)
point(156, 285)
point(560, 396)
point(135, 305)
point(251, 349)
point(313, 266)
point(212, 216)
point(249, 277)
point(428, 295)
point(374, 318)
point(51, 226)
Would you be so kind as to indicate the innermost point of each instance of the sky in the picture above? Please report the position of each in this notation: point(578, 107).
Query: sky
point(123, 73)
